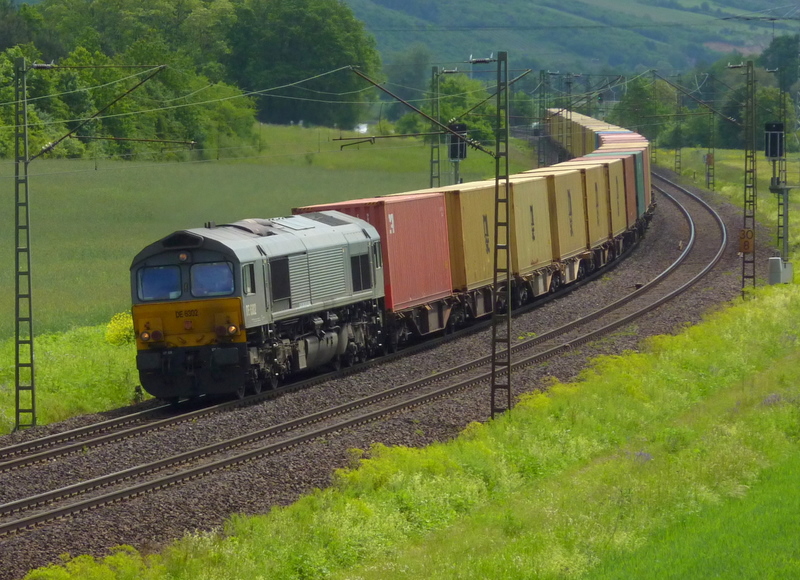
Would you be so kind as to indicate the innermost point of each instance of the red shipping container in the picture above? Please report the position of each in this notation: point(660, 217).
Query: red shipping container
point(414, 244)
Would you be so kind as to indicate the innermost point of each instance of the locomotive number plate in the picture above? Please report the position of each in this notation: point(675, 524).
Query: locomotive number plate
point(186, 313)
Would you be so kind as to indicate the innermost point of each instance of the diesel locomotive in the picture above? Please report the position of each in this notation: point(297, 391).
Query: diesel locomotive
point(236, 307)
point(224, 308)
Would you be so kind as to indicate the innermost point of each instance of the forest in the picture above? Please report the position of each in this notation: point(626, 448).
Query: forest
point(225, 64)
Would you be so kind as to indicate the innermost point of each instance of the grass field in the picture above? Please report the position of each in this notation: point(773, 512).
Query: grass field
point(89, 218)
point(753, 536)
point(729, 171)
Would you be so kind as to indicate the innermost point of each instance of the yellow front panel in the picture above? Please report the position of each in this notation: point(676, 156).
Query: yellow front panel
point(188, 323)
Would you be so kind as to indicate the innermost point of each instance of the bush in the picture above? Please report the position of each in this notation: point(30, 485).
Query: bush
point(119, 331)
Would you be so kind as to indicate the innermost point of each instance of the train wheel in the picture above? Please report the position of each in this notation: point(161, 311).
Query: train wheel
point(240, 392)
point(522, 295)
point(581, 270)
point(274, 380)
point(348, 359)
point(256, 383)
point(555, 283)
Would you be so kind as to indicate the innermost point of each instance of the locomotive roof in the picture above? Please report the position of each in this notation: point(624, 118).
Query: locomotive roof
point(255, 238)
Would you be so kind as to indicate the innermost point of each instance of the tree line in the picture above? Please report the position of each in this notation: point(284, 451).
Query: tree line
point(229, 63)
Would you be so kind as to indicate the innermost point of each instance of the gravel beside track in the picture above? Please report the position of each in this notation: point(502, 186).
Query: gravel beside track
point(151, 521)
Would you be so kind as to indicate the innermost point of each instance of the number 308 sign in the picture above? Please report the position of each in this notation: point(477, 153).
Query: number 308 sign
point(747, 239)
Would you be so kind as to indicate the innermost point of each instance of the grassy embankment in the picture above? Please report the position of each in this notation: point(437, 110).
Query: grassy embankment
point(646, 457)
point(679, 461)
point(89, 219)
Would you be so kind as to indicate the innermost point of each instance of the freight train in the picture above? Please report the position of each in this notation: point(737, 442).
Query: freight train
point(236, 307)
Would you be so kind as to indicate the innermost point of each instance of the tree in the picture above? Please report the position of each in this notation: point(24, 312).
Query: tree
point(410, 76)
point(782, 54)
point(278, 42)
point(768, 107)
point(638, 110)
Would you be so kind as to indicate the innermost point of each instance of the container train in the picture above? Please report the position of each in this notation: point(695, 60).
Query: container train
point(235, 307)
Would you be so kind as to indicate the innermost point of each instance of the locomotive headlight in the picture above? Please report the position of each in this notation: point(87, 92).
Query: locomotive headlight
point(145, 336)
point(157, 335)
point(229, 330)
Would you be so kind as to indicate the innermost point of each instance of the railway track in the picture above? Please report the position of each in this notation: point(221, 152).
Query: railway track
point(207, 459)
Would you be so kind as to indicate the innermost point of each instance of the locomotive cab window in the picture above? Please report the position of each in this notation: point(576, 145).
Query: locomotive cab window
point(159, 283)
point(212, 279)
point(362, 276)
point(280, 284)
point(249, 279)
point(377, 258)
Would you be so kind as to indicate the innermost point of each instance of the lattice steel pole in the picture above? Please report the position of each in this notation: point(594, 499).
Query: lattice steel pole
point(544, 95)
point(501, 313)
point(678, 127)
point(568, 125)
point(747, 237)
point(435, 139)
point(712, 139)
point(25, 386)
point(653, 143)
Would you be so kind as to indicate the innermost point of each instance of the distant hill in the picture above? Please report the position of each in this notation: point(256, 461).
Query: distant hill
point(591, 36)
